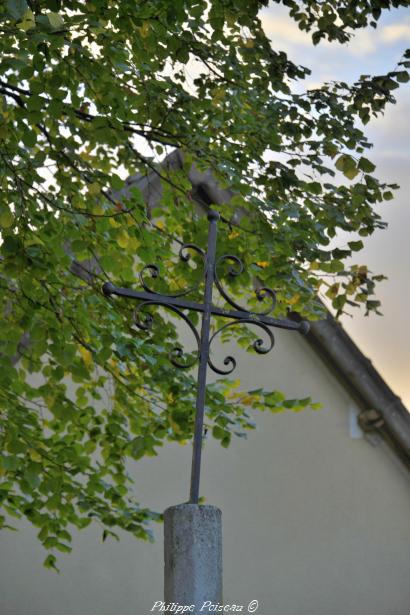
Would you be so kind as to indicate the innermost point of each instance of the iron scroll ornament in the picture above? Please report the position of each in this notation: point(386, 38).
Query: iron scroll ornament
point(154, 272)
point(178, 304)
point(173, 301)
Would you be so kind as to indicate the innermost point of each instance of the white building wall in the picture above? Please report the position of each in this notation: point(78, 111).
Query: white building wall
point(315, 522)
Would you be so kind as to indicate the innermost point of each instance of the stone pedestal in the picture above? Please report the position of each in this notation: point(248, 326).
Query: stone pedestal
point(193, 555)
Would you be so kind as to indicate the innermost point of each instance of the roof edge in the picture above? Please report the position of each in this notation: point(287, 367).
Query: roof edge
point(381, 409)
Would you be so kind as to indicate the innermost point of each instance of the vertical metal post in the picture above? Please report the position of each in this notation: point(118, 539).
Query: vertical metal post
point(213, 217)
point(239, 314)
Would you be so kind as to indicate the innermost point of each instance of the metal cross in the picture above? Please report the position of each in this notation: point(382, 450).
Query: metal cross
point(237, 316)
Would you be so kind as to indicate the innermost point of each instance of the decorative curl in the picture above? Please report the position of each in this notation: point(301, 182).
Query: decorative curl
point(153, 272)
point(184, 255)
point(235, 269)
point(259, 345)
point(144, 320)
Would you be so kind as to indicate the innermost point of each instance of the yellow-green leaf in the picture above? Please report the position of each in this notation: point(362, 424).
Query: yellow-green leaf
point(28, 22)
point(35, 455)
point(347, 165)
point(6, 218)
point(94, 189)
point(123, 239)
point(86, 356)
point(56, 21)
point(366, 166)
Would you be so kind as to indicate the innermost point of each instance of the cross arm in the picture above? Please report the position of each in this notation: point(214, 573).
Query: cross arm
point(109, 289)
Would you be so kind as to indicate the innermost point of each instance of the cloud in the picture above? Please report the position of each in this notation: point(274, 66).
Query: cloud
point(392, 129)
point(364, 42)
point(395, 32)
point(284, 33)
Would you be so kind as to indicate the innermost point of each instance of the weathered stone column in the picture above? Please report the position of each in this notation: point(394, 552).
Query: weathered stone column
point(193, 555)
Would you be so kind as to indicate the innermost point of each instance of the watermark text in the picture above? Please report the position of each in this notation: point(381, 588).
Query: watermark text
point(206, 607)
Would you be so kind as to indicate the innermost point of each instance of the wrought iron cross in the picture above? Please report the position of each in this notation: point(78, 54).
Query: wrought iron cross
point(239, 315)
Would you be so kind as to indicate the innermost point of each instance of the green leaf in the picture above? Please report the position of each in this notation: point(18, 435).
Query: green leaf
point(274, 398)
point(339, 302)
point(218, 432)
point(56, 21)
point(16, 8)
point(347, 165)
point(116, 182)
point(10, 463)
point(6, 217)
point(402, 76)
point(29, 138)
point(366, 166)
point(316, 406)
point(60, 546)
point(336, 266)
point(28, 21)
point(32, 475)
point(50, 562)
point(333, 291)
point(314, 187)
point(356, 245)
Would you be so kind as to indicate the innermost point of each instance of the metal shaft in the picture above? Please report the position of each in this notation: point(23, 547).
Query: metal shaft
point(213, 218)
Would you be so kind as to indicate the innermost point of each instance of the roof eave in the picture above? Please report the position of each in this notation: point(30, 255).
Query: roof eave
point(381, 409)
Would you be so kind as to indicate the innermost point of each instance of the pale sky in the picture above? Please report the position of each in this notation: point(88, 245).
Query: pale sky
point(385, 340)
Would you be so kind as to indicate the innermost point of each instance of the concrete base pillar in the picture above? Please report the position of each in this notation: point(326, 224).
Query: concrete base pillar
point(193, 555)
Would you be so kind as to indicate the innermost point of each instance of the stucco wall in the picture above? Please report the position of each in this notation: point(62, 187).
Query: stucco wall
point(315, 522)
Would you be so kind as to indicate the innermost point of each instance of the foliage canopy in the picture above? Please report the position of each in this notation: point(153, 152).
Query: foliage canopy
point(91, 92)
